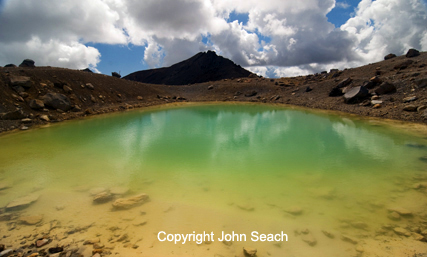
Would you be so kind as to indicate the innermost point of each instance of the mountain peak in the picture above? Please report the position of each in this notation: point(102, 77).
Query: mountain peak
point(202, 67)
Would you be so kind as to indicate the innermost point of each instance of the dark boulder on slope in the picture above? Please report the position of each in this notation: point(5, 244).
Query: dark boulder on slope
point(27, 63)
point(202, 67)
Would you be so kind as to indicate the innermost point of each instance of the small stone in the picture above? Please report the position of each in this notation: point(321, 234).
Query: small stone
point(127, 203)
point(393, 216)
point(295, 210)
point(210, 87)
point(36, 104)
point(6, 253)
point(360, 249)
point(418, 237)
point(229, 243)
point(139, 98)
point(401, 211)
point(409, 99)
point(309, 239)
point(42, 242)
point(31, 220)
point(349, 239)
point(91, 241)
point(250, 252)
point(26, 120)
point(103, 197)
point(410, 108)
point(421, 108)
point(328, 234)
point(44, 118)
point(245, 207)
point(359, 225)
point(377, 106)
point(402, 232)
point(90, 86)
point(67, 89)
point(24, 128)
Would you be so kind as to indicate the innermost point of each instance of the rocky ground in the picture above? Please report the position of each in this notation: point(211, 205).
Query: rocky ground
point(392, 89)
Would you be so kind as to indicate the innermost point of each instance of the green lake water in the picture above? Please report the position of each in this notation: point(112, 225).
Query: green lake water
point(225, 167)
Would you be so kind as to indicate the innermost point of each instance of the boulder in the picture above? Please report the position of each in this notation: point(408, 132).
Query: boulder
point(127, 203)
point(412, 53)
point(115, 74)
point(356, 94)
point(27, 63)
point(57, 101)
point(336, 92)
point(344, 83)
point(369, 84)
point(36, 104)
point(20, 81)
point(14, 115)
point(10, 65)
point(385, 88)
point(87, 70)
point(389, 56)
point(22, 202)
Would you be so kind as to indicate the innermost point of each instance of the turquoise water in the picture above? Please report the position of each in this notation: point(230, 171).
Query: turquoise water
point(239, 167)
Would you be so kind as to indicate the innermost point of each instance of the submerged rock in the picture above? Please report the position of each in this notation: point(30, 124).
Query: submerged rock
point(127, 203)
point(103, 197)
point(294, 210)
point(309, 239)
point(251, 252)
point(402, 232)
point(31, 220)
point(401, 211)
point(22, 202)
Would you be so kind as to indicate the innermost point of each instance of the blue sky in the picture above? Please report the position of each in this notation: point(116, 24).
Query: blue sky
point(272, 38)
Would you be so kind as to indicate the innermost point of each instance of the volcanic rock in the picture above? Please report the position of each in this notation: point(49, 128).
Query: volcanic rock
point(385, 88)
point(356, 94)
point(115, 74)
point(57, 101)
point(21, 81)
point(14, 115)
point(412, 53)
point(344, 83)
point(203, 67)
point(36, 104)
point(389, 56)
point(27, 63)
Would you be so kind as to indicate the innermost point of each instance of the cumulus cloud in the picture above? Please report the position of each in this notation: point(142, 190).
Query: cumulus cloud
point(281, 37)
point(387, 26)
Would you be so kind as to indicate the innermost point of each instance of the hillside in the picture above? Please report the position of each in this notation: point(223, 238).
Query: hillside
point(202, 67)
point(392, 89)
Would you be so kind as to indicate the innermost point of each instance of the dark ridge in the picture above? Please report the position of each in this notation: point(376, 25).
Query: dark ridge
point(203, 67)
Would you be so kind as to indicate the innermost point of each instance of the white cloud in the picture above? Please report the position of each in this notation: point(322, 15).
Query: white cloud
point(387, 26)
point(342, 5)
point(281, 36)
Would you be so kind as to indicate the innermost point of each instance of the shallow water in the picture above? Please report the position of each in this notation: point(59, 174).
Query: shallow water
point(217, 168)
